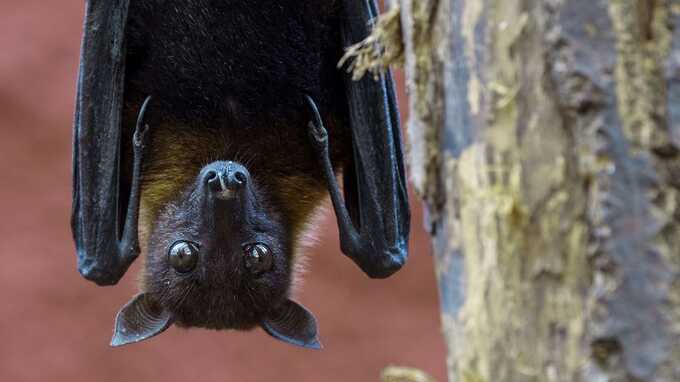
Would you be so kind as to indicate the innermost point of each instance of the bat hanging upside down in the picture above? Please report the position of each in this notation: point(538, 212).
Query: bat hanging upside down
point(207, 132)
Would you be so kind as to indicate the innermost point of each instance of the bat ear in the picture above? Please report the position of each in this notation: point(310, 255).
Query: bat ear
point(140, 319)
point(294, 324)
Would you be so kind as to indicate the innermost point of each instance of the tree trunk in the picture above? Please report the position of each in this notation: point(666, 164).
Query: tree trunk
point(545, 140)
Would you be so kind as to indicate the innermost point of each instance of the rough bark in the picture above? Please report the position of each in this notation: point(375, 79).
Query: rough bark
point(545, 141)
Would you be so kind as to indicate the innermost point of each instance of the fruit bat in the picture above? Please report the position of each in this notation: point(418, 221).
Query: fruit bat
point(206, 134)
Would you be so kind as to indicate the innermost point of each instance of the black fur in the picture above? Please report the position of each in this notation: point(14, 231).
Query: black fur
point(235, 59)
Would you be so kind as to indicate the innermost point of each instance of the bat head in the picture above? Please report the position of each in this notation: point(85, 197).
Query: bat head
point(218, 259)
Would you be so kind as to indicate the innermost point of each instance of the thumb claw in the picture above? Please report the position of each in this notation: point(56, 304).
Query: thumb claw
point(319, 137)
point(317, 131)
point(139, 136)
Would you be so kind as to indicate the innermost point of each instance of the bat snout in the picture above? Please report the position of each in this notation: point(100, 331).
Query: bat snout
point(225, 179)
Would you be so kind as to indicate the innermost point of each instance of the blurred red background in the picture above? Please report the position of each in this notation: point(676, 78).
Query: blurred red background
point(56, 326)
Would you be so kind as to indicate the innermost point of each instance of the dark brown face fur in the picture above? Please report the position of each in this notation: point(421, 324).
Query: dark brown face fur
point(219, 291)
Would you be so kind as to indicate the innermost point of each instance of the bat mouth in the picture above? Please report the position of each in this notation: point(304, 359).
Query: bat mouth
point(225, 195)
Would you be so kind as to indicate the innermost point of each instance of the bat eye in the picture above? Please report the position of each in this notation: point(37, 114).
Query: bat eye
point(183, 256)
point(258, 258)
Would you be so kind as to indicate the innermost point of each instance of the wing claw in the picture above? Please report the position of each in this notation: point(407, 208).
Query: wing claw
point(317, 131)
point(140, 137)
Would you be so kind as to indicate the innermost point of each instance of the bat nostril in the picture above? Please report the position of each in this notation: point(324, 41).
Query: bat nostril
point(235, 180)
point(240, 178)
point(212, 179)
point(210, 175)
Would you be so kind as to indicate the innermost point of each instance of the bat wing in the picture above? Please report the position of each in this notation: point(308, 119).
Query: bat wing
point(373, 218)
point(96, 221)
point(375, 188)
